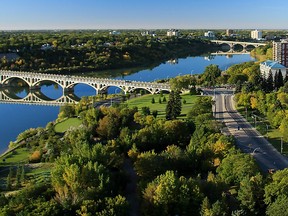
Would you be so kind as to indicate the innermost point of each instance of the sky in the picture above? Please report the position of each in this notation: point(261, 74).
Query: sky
point(143, 14)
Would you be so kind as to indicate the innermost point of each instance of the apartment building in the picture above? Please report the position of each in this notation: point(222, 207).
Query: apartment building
point(280, 52)
point(256, 34)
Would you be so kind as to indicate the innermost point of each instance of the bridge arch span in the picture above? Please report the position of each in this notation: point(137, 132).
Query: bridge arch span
point(6, 80)
point(147, 89)
point(38, 82)
point(105, 87)
point(72, 85)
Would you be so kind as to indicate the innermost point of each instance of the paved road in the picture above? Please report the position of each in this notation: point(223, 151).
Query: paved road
point(248, 139)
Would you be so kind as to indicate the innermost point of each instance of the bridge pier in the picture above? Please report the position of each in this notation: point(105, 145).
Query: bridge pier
point(34, 88)
point(68, 90)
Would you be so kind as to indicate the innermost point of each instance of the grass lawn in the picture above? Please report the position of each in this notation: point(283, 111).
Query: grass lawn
point(145, 101)
point(63, 126)
point(16, 157)
point(274, 137)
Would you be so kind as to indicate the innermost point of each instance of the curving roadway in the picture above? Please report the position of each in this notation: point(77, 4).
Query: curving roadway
point(247, 138)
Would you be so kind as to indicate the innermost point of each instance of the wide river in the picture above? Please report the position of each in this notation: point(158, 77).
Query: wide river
point(16, 118)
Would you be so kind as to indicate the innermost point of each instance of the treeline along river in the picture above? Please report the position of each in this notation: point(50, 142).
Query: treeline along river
point(15, 118)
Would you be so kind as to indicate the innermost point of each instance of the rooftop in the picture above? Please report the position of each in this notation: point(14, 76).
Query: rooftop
point(273, 64)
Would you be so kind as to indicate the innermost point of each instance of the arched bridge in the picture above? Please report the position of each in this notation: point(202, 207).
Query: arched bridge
point(231, 44)
point(68, 82)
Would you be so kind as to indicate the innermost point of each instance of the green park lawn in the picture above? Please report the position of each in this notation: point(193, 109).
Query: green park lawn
point(63, 126)
point(18, 156)
point(146, 101)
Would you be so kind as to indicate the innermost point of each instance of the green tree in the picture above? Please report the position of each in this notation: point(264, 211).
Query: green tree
point(75, 180)
point(251, 194)
point(270, 82)
point(277, 187)
point(174, 105)
point(18, 177)
point(66, 111)
point(146, 110)
point(235, 167)
point(171, 195)
point(9, 179)
point(279, 207)
point(205, 207)
point(210, 74)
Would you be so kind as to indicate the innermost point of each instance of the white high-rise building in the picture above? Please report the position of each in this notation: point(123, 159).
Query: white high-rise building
point(256, 34)
point(173, 32)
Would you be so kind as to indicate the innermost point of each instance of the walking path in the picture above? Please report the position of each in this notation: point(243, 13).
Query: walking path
point(131, 188)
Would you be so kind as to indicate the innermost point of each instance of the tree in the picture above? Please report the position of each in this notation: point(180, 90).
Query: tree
point(146, 110)
point(210, 74)
point(9, 179)
point(155, 113)
point(278, 186)
point(205, 207)
point(75, 179)
point(251, 194)
point(66, 111)
point(174, 105)
point(109, 126)
point(279, 207)
point(169, 194)
point(280, 80)
point(237, 166)
point(203, 105)
point(269, 82)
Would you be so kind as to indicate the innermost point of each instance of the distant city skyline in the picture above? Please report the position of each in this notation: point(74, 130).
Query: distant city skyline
point(143, 14)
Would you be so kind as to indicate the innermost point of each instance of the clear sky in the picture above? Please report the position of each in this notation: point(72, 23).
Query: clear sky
point(143, 14)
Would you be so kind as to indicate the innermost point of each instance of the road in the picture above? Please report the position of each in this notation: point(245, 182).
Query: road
point(247, 138)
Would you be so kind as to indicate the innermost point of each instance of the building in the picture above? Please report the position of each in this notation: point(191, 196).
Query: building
point(229, 32)
point(148, 33)
point(114, 33)
point(209, 34)
point(173, 32)
point(273, 66)
point(280, 52)
point(256, 34)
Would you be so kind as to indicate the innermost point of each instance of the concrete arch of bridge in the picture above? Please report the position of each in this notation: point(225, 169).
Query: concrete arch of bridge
point(164, 91)
point(72, 85)
point(9, 95)
point(250, 47)
point(10, 79)
point(105, 88)
point(36, 84)
point(134, 89)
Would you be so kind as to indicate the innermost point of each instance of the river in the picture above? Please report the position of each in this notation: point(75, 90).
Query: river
point(16, 118)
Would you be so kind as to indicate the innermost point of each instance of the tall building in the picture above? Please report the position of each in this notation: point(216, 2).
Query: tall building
point(280, 52)
point(173, 32)
point(256, 34)
point(229, 32)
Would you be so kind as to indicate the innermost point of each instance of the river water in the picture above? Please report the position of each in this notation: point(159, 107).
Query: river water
point(15, 118)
